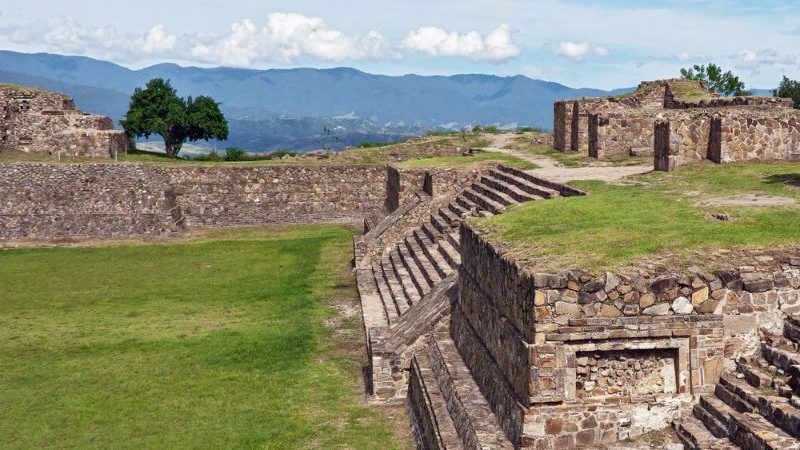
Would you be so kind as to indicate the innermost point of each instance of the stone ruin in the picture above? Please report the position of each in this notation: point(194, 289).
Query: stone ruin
point(654, 120)
point(487, 350)
point(35, 121)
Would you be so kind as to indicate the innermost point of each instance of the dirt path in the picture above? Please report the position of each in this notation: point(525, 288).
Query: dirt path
point(552, 170)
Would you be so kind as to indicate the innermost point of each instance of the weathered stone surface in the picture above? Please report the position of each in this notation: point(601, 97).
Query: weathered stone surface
point(35, 121)
point(660, 309)
point(700, 296)
point(682, 305)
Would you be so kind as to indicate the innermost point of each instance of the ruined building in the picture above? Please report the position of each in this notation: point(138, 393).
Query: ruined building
point(682, 122)
point(35, 121)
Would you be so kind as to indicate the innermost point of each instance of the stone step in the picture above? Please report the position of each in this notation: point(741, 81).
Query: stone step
point(780, 352)
point(430, 232)
point(791, 329)
point(410, 289)
point(485, 203)
point(454, 239)
point(474, 420)
point(710, 411)
point(452, 219)
point(416, 273)
point(431, 251)
point(491, 193)
point(760, 374)
point(372, 307)
point(472, 208)
point(509, 189)
point(749, 430)
point(395, 283)
point(535, 182)
point(440, 224)
point(431, 423)
point(694, 435)
point(428, 270)
point(449, 253)
point(389, 303)
point(458, 210)
point(523, 184)
point(777, 410)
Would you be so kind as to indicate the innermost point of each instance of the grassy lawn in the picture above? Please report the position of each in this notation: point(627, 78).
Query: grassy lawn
point(573, 159)
point(225, 340)
point(659, 213)
point(459, 161)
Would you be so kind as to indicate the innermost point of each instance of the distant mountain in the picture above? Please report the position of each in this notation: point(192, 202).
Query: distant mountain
point(271, 109)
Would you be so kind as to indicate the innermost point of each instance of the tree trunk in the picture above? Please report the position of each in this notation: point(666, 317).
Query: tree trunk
point(172, 145)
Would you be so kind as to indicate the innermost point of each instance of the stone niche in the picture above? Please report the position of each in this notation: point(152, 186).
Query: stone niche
point(628, 373)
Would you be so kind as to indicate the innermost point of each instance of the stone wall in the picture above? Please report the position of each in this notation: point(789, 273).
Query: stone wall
point(745, 128)
point(46, 201)
point(742, 134)
point(589, 359)
point(35, 121)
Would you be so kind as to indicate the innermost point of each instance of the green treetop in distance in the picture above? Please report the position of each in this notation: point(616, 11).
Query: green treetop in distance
point(725, 83)
point(157, 109)
point(789, 89)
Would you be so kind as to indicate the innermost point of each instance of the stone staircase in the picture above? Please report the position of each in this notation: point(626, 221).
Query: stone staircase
point(406, 273)
point(755, 408)
point(406, 297)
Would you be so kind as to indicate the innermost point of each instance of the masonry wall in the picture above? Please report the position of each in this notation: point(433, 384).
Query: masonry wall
point(46, 201)
point(34, 121)
point(588, 359)
point(616, 134)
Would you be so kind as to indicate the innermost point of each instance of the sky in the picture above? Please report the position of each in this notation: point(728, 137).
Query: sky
point(581, 43)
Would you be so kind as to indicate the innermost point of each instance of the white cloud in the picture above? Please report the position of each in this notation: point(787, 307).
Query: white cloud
point(496, 46)
point(578, 50)
point(285, 38)
point(768, 57)
point(70, 36)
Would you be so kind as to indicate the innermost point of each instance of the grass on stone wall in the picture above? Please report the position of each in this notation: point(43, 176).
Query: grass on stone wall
point(226, 340)
point(657, 213)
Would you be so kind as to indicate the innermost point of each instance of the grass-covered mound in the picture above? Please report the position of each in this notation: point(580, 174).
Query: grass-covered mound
point(703, 206)
point(216, 342)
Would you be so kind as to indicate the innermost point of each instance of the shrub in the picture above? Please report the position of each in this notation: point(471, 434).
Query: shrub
point(235, 154)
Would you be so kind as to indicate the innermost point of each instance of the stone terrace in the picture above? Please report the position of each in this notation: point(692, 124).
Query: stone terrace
point(654, 120)
point(35, 121)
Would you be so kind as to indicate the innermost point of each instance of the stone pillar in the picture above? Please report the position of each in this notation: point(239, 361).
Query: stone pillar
point(715, 140)
point(661, 150)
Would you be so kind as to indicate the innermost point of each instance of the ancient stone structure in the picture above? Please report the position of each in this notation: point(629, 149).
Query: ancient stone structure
point(46, 201)
point(35, 121)
point(715, 128)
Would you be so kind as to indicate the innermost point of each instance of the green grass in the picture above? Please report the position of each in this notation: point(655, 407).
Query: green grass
point(689, 90)
point(616, 225)
point(217, 342)
point(573, 159)
point(459, 161)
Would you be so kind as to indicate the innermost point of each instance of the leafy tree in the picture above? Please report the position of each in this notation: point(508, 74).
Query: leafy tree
point(725, 83)
point(157, 109)
point(789, 89)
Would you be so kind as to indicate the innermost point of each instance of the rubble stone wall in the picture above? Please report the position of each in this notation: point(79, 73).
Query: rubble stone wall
point(35, 121)
point(46, 201)
point(618, 351)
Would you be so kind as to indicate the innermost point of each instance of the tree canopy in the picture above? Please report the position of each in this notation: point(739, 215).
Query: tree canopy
point(789, 89)
point(725, 83)
point(157, 109)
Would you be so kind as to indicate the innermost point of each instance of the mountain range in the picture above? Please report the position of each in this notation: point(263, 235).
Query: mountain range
point(290, 108)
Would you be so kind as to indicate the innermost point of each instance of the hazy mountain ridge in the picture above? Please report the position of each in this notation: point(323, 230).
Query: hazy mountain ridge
point(287, 108)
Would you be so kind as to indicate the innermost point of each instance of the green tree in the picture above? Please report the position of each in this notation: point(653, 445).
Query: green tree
point(789, 89)
point(725, 83)
point(157, 109)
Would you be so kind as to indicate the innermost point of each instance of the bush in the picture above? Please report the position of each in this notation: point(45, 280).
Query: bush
point(530, 130)
point(235, 154)
point(212, 157)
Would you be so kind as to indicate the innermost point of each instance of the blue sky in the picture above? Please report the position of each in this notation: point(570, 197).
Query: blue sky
point(604, 44)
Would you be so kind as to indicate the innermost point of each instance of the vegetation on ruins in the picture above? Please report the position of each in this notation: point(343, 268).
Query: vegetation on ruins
point(157, 109)
point(789, 89)
point(726, 83)
point(656, 213)
point(232, 353)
